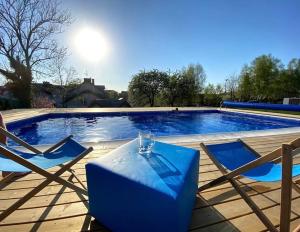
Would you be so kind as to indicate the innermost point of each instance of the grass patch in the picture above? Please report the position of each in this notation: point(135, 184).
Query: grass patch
point(271, 111)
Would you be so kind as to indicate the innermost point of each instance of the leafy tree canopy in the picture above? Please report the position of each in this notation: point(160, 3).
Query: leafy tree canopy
point(146, 86)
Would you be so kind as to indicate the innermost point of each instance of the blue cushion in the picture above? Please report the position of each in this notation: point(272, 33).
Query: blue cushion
point(132, 192)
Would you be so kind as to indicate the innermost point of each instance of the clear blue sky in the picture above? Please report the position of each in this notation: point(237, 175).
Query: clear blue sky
point(222, 35)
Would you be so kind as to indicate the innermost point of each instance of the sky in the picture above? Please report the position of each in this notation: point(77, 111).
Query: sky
point(221, 35)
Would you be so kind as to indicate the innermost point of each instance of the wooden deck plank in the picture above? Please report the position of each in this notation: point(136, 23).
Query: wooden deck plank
point(219, 208)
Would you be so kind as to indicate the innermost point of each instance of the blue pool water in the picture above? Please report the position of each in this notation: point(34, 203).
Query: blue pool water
point(95, 127)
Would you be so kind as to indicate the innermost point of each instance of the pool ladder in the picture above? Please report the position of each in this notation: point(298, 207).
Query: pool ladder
point(221, 105)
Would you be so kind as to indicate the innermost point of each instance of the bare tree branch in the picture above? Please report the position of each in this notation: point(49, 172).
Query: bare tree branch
point(27, 40)
point(27, 28)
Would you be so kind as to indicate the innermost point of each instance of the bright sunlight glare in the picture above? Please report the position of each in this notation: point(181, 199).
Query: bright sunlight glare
point(90, 44)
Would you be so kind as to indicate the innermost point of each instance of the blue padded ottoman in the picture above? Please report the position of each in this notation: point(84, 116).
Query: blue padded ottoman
point(133, 192)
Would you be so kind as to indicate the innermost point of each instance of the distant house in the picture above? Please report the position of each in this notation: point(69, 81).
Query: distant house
point(47, 90)
point(86, 94)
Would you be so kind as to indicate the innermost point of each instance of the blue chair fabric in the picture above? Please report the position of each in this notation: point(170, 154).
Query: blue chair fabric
point(67, 152)
point(233, 155)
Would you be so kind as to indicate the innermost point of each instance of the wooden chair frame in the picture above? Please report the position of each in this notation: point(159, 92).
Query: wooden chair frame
point(286, 153)
point(49, 176)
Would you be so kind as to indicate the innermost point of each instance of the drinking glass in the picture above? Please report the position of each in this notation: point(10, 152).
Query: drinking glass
point(146, 142)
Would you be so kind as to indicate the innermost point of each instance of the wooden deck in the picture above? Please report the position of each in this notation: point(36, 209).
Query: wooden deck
point(57, 208)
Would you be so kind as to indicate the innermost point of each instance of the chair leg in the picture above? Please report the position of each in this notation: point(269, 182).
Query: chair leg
point(286, 187)
point(253, 206)
point(6, 179)
point(213, 183)
point(76, 177)
point(296, 187)
point(73, 173)
point(243, 194)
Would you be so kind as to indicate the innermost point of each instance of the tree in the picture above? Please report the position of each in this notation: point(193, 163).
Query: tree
point(265, 70)
point(64, 76)
point(27, 28)
point(213, 95)
point(172, 90)
point(288, 83)
point(112, 94)
point(245, 84)
point(219, 90)
point(124, 95)
point(232, 83)
point(146, 86)
point(191, 84)
point(293, 73)
point(197, 72)
point(18, 81)
point(266, 79)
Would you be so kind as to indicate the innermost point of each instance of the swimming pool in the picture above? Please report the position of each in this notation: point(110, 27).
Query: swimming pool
point(95, 127)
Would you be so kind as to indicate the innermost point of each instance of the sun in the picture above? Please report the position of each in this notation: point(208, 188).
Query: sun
point(91, 44)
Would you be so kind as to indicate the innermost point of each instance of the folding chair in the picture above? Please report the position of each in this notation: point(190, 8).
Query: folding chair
point(241, 160)
point(65, 154)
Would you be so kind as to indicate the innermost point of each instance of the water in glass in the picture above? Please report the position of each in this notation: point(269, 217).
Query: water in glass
point(146, 142)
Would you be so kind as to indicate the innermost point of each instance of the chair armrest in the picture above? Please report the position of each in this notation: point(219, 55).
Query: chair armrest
point(58, 144)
